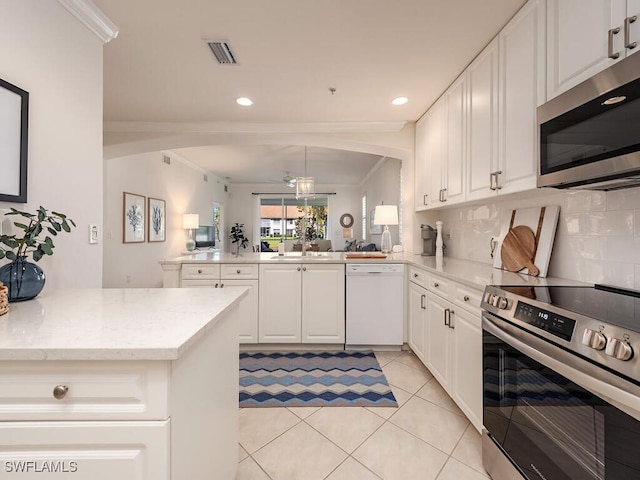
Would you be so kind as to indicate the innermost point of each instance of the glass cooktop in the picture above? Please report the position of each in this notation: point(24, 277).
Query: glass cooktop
point(608, 304)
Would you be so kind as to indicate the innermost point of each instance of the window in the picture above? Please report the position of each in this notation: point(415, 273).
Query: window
point(364, 216)
point(284, 214)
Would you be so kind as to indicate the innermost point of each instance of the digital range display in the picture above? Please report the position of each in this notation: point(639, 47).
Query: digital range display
point(553, 323)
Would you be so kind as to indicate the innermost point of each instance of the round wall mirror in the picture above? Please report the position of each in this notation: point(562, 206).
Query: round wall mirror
point(346, 220)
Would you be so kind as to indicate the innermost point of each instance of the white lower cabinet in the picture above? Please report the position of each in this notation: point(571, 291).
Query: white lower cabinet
point(86, 450)
point(417, 319)
point(445, 333)
point(248, 310)
point(301, 303)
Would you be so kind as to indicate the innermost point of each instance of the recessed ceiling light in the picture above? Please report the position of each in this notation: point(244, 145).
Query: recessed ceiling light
point(244, 101)
point(399, 100)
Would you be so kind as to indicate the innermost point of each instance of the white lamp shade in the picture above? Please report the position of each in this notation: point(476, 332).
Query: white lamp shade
point(190, 220)
point(386, 215)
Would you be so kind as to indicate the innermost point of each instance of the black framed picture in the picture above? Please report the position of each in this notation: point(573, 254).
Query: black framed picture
point(14, 138)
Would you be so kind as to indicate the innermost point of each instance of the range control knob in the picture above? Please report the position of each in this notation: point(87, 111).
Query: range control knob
point(619, 349)
point(488, 298)
point(499, 302)
point(593, 339)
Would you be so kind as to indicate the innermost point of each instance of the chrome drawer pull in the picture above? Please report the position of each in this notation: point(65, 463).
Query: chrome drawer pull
point(436, 284)
point(466, 298)
point(199, 270)
point(60, 391)
point(238, 271)
point(612, 32)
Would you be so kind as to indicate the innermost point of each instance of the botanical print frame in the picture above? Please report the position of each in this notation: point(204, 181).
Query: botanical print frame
point(133, 218)
point(156, 224)
point(14, 136)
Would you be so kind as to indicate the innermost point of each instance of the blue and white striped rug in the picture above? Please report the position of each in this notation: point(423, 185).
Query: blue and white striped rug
point(313, 379)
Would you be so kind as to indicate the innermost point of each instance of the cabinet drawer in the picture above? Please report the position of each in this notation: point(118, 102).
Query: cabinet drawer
point(94, 390)
point(200, 283)
point(202, 271)
point(418, 276)
point(468, 298)
point(438, 285)
point(232, 271)
point(86, 450)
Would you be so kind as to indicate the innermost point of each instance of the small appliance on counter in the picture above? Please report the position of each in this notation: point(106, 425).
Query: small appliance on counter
point(428, 235)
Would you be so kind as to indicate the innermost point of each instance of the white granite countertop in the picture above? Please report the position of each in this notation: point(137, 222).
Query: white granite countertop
point(473, 274)
point(112, 324)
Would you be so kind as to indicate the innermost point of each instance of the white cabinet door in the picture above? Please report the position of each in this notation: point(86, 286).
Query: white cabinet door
point(279, 319)
point(483, 122)
point(435, 154)
point(86, 450)
point(421, 187)
point(323, 303)
point(455, 143)
point(248, 310)
point(438, 339)
point(633, 10)
point(521, 90)
point(467, 365)
point(579, 42)
point(417, 317)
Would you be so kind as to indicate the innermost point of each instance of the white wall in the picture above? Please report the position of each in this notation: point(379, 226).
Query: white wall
point(183, 189)
point(383, 186)
point(46, 51)
point(597, 240)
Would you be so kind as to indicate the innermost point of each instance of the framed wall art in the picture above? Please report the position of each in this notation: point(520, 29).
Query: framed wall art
point(133, 218)
point(156, 228)
point(14, 122)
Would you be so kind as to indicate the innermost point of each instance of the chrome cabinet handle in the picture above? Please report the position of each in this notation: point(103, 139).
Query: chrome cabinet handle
point(298, 268)
point(451, 312)
point(415, 275)
point(491, 181)
point(199, 270)
point(627, 34)
point(221, 285)
point(436, 284)
point(60, 391)
point(499, 172)
point(442, 195)
point(447, 317)
point(466, 298)
point(424, 199)
point(304, 269)
point(422, 299)
point(238, 271)
point(216, 286)
point(612, 32)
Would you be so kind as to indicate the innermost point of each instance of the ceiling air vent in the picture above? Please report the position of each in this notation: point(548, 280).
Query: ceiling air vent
point(222, 52)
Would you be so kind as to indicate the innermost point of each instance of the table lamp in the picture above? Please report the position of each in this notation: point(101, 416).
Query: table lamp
point(386, 215)
point(190, 221)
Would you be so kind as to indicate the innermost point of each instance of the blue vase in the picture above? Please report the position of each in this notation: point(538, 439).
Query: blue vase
point(24, 279)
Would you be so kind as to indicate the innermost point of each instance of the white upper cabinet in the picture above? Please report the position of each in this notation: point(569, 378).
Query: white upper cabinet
point(587, 36)
point(429, 157)
point(452, 184)
point(482, 99)
point(520, 91)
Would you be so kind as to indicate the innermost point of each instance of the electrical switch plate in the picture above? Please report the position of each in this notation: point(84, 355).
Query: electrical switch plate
point(93, 234)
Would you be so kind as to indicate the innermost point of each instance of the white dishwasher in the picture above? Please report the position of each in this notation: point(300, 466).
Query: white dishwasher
point(375, 305)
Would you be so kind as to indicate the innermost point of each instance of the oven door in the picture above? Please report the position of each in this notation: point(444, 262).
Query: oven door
point(545, 416)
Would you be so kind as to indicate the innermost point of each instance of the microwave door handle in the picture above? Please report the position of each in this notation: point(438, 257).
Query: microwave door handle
point(627, 32)
point(612, 32)
point(597, 381)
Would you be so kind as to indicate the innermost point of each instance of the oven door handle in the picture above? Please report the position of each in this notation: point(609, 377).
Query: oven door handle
point(608, 386)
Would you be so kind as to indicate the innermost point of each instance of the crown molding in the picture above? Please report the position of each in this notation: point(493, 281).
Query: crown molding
point(236, 127)
point(92, 17)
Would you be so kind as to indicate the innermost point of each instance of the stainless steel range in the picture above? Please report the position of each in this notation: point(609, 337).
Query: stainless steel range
point(561, 383)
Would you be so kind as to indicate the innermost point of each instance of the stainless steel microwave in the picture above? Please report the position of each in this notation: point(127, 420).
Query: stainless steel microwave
point(590, 134)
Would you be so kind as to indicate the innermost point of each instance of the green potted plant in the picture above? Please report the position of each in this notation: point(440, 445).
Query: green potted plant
point(24, 279)
point(237, 237)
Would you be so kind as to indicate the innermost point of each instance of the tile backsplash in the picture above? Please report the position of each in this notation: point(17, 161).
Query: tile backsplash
point(597, 239)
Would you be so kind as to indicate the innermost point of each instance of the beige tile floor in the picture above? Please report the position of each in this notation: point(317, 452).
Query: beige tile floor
point(426, 438)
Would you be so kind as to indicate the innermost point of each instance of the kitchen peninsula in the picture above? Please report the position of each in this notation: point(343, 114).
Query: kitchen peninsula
point(121, 383)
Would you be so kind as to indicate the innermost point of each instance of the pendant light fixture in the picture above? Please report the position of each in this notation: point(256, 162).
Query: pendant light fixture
point(305, 186)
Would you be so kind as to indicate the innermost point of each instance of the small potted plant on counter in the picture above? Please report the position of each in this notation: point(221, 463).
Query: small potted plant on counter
point(24, 279)
point(237, 237)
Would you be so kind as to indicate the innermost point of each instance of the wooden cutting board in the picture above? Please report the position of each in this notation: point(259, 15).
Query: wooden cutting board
point(544, 233)
point(519, 249)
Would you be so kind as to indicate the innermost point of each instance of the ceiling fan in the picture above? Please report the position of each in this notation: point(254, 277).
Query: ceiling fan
point(288, 180)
